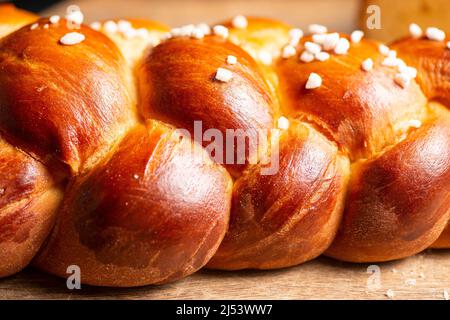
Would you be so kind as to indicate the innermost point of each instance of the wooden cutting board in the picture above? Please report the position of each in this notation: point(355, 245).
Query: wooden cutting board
point(424, 276)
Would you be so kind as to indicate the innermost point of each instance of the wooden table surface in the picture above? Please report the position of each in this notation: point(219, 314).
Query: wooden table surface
point(424, 276)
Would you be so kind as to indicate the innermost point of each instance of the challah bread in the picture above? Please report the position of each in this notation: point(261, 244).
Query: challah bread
point(434, 79)
point(67, 102)
point(364, 112)
point(133, 220)
point(29, 198)
point(175, 83)
point(103, 124)
point(367, 114)
point(397, 203)
point(290, 217)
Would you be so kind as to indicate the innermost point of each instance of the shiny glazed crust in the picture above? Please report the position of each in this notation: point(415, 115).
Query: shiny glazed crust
point(96, 173)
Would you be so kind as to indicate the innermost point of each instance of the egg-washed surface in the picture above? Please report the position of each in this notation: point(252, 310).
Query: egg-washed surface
point(108, 182)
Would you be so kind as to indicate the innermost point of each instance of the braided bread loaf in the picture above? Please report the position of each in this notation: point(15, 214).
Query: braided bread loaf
point(95, 173)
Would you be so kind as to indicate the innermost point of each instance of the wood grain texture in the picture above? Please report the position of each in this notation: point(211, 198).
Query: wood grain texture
point(319, 279)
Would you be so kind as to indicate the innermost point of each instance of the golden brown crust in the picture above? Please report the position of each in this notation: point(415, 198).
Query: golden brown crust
point(68, 102)
point(29, 197)
point(432, 60)
point(292, 216)
point(363, 111)
point(442, 113)
point(139, 218)
point(397, 204)
point(147, 24)
point(177, 85)
point(142, 206)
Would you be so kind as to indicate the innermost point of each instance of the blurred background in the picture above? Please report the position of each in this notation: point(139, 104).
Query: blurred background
point(341, 15)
